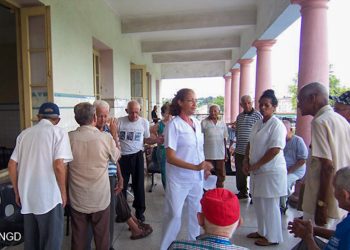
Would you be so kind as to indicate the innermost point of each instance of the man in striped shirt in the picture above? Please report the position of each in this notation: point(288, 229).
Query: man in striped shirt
point(245, 122)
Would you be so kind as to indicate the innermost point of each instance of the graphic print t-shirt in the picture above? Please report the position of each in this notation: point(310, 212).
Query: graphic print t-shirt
point(132, 134)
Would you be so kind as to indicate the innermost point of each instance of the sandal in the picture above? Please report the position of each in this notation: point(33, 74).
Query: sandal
point(254, 235)
point(144, 233)
point(145, 226)
point(263, 242)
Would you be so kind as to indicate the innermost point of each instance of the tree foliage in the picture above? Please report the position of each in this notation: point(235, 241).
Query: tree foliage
point(335, 87)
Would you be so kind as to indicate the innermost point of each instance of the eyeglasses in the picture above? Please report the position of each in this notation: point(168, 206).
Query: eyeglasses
point(191, 100)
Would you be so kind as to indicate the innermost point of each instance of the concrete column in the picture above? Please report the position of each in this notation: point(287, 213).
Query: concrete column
point(158, 92)
point(227, 100)
point(263, 67)
point(244, 81)
point(234, 94)
point(313, 54)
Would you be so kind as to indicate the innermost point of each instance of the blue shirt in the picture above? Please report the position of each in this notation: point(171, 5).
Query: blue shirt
point(295, 150)
point(205, 242)
point(341, 238)
point(112, 167)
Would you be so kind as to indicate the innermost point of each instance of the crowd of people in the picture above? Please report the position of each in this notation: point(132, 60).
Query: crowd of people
point(90, 168)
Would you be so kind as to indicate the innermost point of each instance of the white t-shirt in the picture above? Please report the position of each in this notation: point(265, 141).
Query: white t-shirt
point(270, 180)
point(188, 145)
point(132, 134)
point(214, 135)
point(36, 150)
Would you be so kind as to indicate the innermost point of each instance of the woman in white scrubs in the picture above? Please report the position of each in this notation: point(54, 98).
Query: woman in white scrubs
point(185, 168)
point(268, 172)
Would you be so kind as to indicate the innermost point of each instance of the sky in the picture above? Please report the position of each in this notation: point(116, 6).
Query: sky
point(285, 58)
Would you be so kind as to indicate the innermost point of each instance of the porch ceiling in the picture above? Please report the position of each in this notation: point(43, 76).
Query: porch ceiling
point(204, 35)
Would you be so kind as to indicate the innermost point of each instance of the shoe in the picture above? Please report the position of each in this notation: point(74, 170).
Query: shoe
point(145, 226)
point(144, 233)
point(263, 242)
point(241, 196)
point(254, 235)
point(251, 200)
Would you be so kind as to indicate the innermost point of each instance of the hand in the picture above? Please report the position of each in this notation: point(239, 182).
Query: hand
point(18, 200)
point(301, 228)
point(120, 185)
point(113, 126)
point(206, 174)
point(245, 167)
point(205, 165)
point(253, 167)
point(64, 199)
point(321, 216)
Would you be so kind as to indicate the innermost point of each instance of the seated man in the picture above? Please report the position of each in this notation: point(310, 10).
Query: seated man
point(219, 218)
point(338, 239)
point(295, 153)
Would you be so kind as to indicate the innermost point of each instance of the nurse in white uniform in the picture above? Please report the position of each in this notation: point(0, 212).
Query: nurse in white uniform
point(268, 173)
point(185, 168)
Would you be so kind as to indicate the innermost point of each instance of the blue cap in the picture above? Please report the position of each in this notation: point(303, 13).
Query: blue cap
point(49, 109)
point(343, 98)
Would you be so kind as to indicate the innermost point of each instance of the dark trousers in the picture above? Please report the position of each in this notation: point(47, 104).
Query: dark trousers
point(220, 171)
point(100, 227)
point(241, 178)
point(44, 231)
point(133, 165)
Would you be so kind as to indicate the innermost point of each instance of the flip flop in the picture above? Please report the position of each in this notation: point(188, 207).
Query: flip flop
point(263, 242)
point(254, 235)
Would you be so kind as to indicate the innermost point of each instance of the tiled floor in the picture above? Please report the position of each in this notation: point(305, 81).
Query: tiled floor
point(153, 215)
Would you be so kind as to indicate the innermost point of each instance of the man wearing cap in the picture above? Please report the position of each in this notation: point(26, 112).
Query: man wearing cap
point(38, 175)
point(219, 218)
point(342, 105)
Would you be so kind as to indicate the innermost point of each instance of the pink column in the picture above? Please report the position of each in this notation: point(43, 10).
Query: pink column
point(234, 94)
point(244, 81)
point(263, 67)
point(313, 54)
point(157, 92)
point(227, 100)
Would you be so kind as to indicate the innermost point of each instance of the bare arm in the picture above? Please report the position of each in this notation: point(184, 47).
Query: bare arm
point(268, 156)
point(12, 168)
point(304, 230)
point(326, 177)
point(297, 165)
point(174, 160)
point(151, 140)
point(120, 184)
point(61, 177)
point(323, 232)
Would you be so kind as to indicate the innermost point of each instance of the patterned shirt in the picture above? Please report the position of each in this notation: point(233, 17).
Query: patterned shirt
point(245, 123)
point(112, 167)
point(205, 242)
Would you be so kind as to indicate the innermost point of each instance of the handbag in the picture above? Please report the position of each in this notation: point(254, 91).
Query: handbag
point(122, 209)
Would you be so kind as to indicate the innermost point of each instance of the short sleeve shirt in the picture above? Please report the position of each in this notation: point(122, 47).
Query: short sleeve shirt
point(188, 145)
point(330, 133)
point(36, 150)
point(132, 134)
point(341, 238)
point(214, 135)
point(296, 150)
point(270, 180)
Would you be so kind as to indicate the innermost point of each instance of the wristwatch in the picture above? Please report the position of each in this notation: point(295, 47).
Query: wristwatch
point(321, 203)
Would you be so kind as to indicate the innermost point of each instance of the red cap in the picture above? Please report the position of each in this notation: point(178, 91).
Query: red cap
point(220, 207)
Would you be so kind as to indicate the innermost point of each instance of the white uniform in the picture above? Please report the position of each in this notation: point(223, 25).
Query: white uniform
point(182, 184)
point(269, 182)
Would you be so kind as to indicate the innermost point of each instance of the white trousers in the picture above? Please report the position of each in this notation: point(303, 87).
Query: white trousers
point(176, 195)
point(268, 216)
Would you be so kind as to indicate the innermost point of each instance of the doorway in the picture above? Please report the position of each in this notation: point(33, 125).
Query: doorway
point(10, 110)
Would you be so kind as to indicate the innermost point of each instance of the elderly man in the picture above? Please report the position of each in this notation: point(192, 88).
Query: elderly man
point(329, 137)
point(89, 188)
point(295, 153)
point(38, 175)
point(133, 133)
point(245, 122)
point(342, 105)
point(215, 136)
point(219, 218)
point(338, 239)
point(109, 125)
